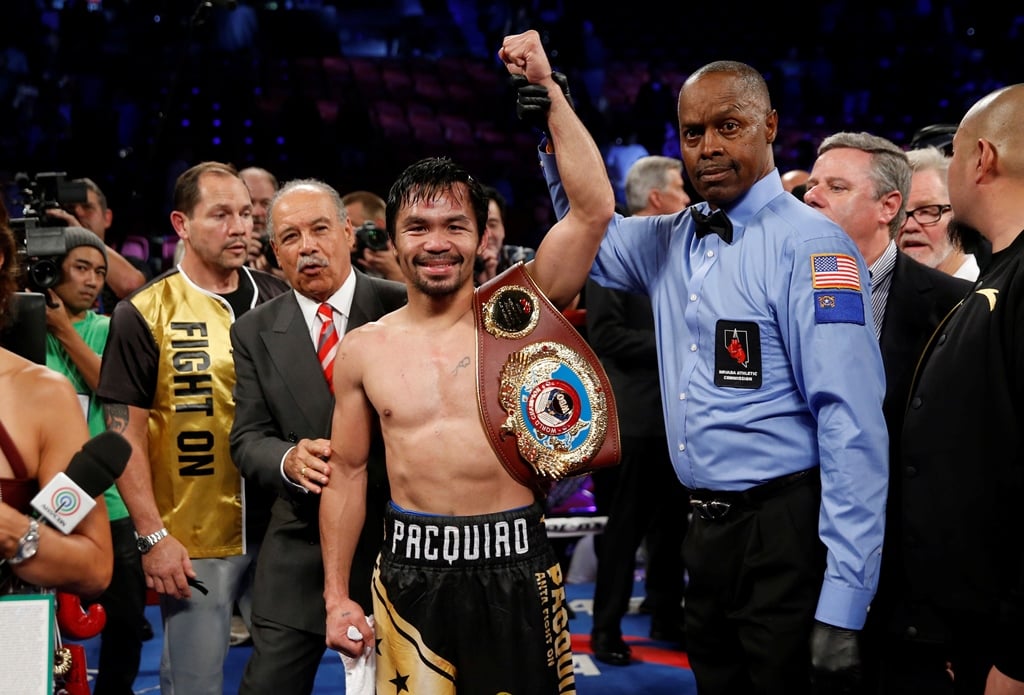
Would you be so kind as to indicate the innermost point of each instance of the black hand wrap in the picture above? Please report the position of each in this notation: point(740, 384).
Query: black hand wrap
point(533, 102)
point(835, 660)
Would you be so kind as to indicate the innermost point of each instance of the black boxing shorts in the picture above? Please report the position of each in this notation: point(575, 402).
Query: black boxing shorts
point(470, 604)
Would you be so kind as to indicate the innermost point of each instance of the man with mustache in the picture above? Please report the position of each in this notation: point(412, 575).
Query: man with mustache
point(166, 382)
point(784, 455)
point(925, 234)
point(281, 436)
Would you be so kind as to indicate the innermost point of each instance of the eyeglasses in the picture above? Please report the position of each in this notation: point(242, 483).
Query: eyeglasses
point(928, 214)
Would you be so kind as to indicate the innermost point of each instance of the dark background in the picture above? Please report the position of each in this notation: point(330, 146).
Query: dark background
point(130, 93)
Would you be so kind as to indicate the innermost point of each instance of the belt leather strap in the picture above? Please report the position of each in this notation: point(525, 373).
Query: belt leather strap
point(544, 398)
point(754, 495)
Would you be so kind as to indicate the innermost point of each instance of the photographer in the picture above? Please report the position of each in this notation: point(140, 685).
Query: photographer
point(75, 339)
point(41, 428)
point(497, 256)
point(372, 251)
point(262, 186)
point(86, 206)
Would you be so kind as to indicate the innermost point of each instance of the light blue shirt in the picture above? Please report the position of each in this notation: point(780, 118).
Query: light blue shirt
point(805, 383)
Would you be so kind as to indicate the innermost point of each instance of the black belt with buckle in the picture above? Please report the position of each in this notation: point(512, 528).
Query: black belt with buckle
point(715, 505)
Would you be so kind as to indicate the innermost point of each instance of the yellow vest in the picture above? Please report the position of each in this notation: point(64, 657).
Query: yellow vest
point(197, 487)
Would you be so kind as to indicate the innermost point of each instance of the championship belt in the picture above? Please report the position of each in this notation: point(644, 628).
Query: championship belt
point(545, 400)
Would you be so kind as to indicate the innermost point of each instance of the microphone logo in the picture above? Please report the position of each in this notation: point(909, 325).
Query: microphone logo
point(65, 501)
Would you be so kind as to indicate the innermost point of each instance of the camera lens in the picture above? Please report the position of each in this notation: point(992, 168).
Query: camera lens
point(377, 239)
point(43, 273)
point(368, 235)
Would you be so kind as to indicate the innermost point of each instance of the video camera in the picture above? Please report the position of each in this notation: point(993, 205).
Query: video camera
point(370, 236)
point(39, 237)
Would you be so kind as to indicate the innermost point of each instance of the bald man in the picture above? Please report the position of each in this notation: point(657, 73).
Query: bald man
point(793, 178)
point(764, 336)
point(957, 626)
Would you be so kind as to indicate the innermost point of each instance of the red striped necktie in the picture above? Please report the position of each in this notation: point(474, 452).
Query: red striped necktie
point(327, 345)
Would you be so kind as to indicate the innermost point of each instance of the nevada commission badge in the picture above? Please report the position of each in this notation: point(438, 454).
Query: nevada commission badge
point(556, 408)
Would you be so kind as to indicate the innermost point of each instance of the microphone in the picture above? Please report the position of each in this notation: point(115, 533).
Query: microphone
point(70, 495)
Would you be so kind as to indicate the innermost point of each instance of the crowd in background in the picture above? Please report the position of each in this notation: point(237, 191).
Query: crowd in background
point(209, 102)
point(131, 93)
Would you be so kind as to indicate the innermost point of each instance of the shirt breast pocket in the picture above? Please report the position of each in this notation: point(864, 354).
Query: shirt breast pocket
point(738, 361)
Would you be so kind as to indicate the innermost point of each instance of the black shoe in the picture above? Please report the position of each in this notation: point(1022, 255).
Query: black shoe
point(147, 630)
point(610, 649)
point(667, 630)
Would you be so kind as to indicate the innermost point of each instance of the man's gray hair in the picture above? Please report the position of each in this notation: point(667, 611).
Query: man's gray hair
point(890, 168)
point(929, 159)
point(645, 175)
point(315, 184)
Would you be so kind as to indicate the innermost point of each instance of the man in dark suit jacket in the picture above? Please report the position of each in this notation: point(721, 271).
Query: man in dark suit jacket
point(861, 182)
point(281, 435)
point(642, 496)
point(919, 298)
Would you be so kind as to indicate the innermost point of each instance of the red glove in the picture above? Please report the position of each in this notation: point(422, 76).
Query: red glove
point(76, 622)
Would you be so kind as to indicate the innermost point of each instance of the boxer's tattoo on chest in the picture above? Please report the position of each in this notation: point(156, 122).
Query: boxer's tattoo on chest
point(463, 363)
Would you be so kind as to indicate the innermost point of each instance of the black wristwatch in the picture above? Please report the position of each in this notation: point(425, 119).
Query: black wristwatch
point(27, 544)
point(146, 543)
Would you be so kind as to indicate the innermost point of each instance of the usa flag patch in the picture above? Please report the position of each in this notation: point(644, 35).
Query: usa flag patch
point(834, 271)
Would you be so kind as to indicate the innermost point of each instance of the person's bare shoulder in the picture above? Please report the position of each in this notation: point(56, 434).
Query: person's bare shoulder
point(11, 363)
point(41, 409)
point(53, 398)
point(373, 335)
point(28, 382)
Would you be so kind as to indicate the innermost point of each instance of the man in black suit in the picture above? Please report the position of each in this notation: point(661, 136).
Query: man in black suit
point(281, 435)
point(861, 181)
point(643, 495)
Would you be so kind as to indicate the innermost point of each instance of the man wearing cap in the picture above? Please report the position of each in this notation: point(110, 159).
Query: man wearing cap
point(124, 274)
point(74, 342)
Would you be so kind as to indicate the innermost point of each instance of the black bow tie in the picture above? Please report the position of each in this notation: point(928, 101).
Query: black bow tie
point(715, 223)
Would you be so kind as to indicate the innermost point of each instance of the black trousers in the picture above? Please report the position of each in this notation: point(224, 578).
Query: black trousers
point(646, 499)
point(284, 659)
point(894, 665)
point(125, 603)
point(755, 579)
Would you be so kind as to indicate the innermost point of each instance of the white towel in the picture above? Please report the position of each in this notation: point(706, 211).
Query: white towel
point(361, 671)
